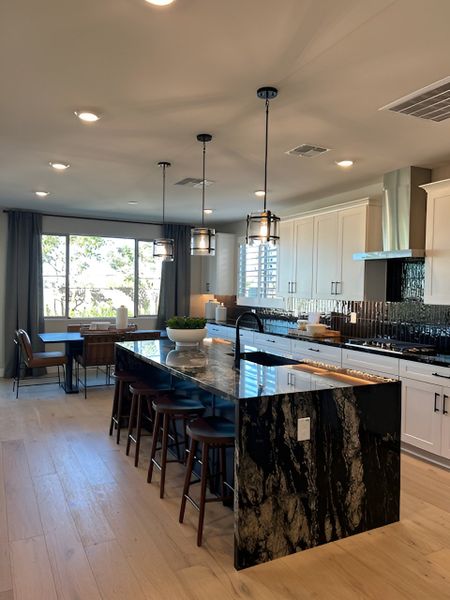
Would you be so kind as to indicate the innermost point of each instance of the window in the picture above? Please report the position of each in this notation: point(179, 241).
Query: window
point(90, 276)
point(258, 275)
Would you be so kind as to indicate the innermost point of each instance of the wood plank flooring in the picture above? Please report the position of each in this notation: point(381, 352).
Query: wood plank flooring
point(79, 522)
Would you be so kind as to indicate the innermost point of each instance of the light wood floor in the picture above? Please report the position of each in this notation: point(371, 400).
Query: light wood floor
point(78, 521)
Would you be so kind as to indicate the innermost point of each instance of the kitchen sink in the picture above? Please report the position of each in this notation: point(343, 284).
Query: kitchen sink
point(268, 360)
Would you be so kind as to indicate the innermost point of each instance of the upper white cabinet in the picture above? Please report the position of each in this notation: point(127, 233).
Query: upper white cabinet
point(316, 253)
point(437, 251)
point(218, 274)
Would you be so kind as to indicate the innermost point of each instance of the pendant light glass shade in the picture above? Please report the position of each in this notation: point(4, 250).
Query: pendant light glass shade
point(203, 239)
point(164, 247)
point(263, 226)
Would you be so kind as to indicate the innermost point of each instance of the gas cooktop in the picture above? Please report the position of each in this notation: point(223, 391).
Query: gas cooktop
point(390, 345)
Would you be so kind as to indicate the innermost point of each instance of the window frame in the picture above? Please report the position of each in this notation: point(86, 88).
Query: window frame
point(67, 275)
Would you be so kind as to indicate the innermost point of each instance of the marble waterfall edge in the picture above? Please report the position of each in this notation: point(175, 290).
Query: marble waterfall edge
point(296, 495)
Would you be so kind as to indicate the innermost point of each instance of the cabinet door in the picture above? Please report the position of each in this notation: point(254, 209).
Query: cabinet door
point(351, 238)
point(445, 445)
point(285, 258)
point(437, 255)
point(422, 415)
point(303, 254)
point(325, 255)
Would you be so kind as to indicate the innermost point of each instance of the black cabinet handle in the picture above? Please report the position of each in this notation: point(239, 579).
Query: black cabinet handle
point(443, 376)
point(313, 349)
point(271, 341)
point(444, 409)
point(436, 396)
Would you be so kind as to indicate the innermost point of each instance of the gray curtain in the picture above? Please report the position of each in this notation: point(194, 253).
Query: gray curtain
point(174, 298)
point(24, 304)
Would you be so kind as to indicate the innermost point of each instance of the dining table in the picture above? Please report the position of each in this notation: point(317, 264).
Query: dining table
point(73, 341)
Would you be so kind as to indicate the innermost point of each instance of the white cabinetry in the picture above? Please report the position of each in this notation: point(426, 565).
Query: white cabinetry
point(377, 364)
point(274, 343)
point(316, 254)
point(437, 251)
point(426, 407)
point(219, 272)
point(318, 352)
point(220, 331)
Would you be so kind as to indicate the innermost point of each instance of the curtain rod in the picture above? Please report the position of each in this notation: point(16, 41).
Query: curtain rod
point(45, 214)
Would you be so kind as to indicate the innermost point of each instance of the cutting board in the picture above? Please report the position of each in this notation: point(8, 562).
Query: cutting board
point(326, 334)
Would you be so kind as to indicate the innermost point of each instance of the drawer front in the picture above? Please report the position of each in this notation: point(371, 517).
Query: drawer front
point(425, 373)
point(319, 352)
point(370, 363)
point(220, 331)
point(273, 342)
point(246, 337)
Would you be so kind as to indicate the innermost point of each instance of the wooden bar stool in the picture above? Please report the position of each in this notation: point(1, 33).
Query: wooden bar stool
point(141, 393)
point(123, 379)
point(169, 410)
point(210, 432)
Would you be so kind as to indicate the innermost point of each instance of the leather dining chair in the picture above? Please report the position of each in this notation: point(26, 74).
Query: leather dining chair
point(26, 357)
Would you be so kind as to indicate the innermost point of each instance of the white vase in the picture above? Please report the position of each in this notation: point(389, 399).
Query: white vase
point(186, 337)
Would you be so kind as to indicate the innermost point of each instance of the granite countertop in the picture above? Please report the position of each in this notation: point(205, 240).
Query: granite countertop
point(210, 367)
point(439, 360)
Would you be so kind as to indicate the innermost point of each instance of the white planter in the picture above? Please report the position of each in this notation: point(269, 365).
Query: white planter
point(186, 337)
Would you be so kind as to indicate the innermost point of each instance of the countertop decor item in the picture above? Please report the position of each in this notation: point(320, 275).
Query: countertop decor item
point(316, 328)
point(221, 313)
point(210, 309)
point(203, 239)
point(121, 317)
point(263, 226)
point(163, 247)
point(186, 331)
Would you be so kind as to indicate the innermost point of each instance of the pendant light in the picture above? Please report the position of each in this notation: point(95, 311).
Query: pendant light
point(203, 239)
point(263, 226)
point(163, 247)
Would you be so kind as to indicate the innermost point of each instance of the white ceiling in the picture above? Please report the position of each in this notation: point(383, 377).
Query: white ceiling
point(159, 76)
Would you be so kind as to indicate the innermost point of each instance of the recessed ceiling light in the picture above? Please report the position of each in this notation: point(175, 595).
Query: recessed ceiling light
point(132, 202)
point(160, 2)
point(42, 194)
point(87, 116)
point(59, 166)
point(345, 164)
point(259, 193)
point(208, 211)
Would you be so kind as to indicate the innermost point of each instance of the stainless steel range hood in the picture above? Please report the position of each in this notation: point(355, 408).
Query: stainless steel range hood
point(403, 215)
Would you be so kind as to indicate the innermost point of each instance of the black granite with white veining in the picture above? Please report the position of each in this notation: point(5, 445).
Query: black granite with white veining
point(210, 367)
point(291, 496)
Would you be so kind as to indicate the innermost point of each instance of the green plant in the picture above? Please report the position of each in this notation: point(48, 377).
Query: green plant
point(186, 323)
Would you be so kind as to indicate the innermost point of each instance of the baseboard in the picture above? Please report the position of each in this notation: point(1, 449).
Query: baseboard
point(426, 456)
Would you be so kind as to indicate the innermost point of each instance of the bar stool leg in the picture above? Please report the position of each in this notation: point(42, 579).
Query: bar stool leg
point(156, 431)
point(114, 407)
point(134, 399)
point(165, 439)
point(138, 429)
point(187, 480)
point(204, 478)
point(119, 411)
point(223, 468)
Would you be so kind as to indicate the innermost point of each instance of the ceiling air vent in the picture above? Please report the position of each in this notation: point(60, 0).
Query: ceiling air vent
point(307, 150)
point(194, 182)
point(431, 103)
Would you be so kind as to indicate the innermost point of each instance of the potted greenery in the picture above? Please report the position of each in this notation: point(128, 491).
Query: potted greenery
point(186, 331)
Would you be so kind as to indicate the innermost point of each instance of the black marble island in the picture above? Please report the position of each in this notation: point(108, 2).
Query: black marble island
point(292, 495)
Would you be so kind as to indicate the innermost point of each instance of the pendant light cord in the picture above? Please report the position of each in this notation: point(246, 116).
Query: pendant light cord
point(203, 184)
point(266, 154)
point(164, 196)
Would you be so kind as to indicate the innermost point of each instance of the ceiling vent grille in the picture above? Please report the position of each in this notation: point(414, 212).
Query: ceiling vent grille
point(431, 103)
point(194, 182)
point(307, 151)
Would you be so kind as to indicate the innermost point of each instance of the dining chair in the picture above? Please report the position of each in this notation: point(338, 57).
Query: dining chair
point(98, 351)
point(27, 358)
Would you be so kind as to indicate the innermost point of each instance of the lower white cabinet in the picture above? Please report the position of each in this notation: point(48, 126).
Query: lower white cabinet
point(422, 415)
point(426, 407)
point(274, 343)
point(377, 364)
point(221, 331)
point(317, 352)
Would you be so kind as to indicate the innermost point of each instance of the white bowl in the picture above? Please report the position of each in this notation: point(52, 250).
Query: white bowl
point(316, 328)
point(186, 337)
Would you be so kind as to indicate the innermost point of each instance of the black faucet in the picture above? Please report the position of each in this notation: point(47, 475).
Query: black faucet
point(237, 346)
